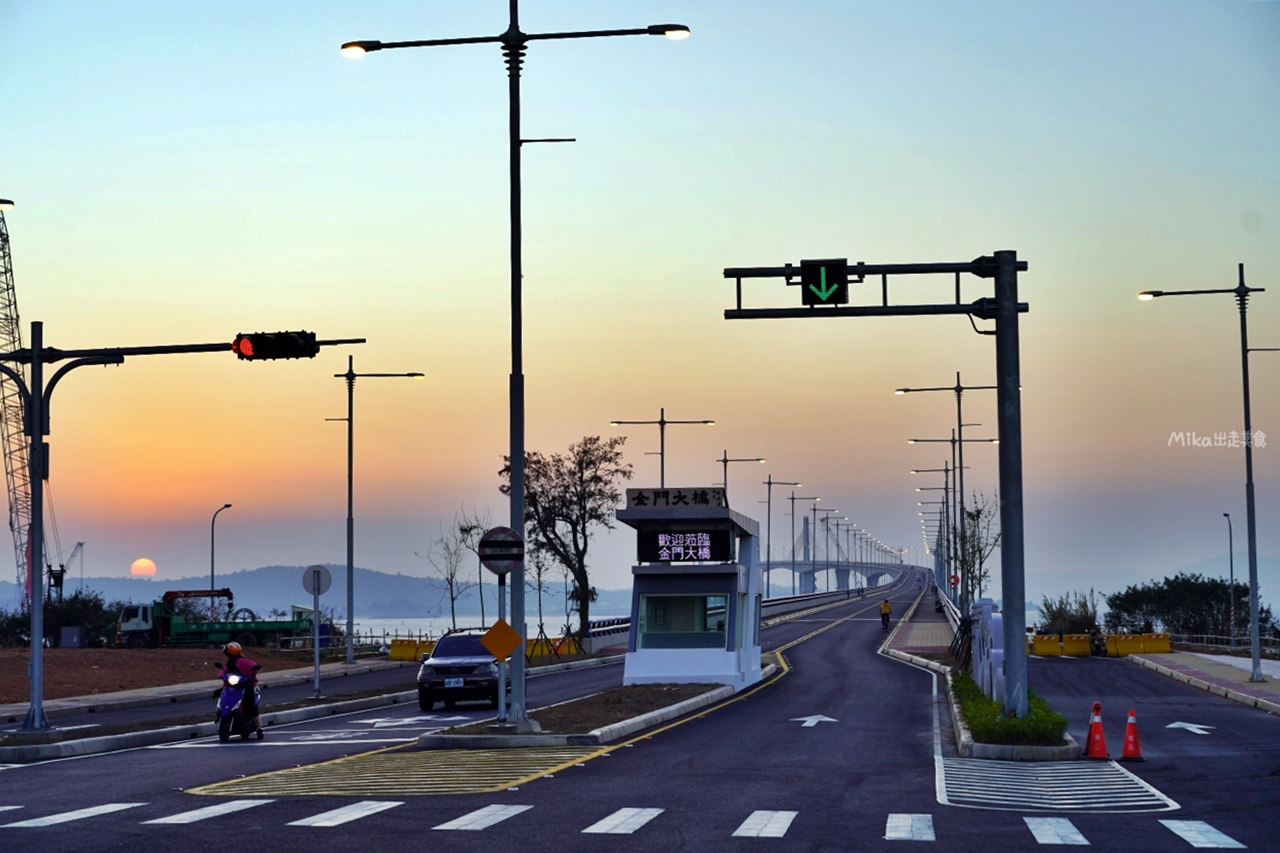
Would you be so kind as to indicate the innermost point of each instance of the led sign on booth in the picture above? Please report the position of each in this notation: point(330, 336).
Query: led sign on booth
point(685, 546)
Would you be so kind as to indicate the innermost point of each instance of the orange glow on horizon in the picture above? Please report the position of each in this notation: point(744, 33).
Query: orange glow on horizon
point(143, 568)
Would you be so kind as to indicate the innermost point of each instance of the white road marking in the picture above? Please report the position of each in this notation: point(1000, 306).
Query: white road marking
point(209, 811)
point(483, 818)
point(810, 722)
point(909, 827)
point(9, 808)
point(1197, 833)
point(291, 742)
point(346, 814)
point(764, 824)
point(1054, 830)
point(623, 822)
point(1194, 728)
point(78, 814)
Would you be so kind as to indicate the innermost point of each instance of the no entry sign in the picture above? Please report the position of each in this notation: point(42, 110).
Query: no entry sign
point(501, 550)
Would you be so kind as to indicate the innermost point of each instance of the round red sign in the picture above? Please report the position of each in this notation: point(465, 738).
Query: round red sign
point(501, 550)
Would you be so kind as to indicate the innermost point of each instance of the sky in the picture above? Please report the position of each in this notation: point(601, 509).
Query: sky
point(186, 172)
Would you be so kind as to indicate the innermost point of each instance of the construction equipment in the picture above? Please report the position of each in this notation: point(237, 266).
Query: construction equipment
point(161, 623)
point(13, 438)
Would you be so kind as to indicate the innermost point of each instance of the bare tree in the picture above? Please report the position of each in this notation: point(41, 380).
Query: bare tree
point(979, 539)
point(565, 497)
point(471, 526)
point(447, 555)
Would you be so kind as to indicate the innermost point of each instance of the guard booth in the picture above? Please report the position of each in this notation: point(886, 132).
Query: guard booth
point(696, 596)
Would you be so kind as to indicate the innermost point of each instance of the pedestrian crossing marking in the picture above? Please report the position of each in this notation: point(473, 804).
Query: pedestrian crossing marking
point(1078, 786)
point(207, 812)
point(1054, 830)
point(909, 827)
point(346, 814)
point(78, 814)
point(1197, 833)
point(9, 808)
point(765, 824)
point(483, 818)
point(399, 772)
point(623, 822)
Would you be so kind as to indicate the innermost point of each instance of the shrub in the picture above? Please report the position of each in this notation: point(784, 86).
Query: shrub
point(985, 718)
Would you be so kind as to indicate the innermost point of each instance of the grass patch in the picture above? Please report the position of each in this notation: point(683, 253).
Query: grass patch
point(985, 718)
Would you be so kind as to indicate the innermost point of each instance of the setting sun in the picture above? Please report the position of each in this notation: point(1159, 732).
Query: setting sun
point(143, 568)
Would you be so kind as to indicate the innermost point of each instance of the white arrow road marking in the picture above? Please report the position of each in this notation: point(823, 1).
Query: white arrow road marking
point(810, 722)
point(1194, 728)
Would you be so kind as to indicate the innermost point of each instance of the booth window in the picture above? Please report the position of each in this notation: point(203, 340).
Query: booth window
point(683, 621)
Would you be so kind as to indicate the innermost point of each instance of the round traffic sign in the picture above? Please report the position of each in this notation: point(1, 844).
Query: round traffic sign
point(311, 575)
point(501, 550)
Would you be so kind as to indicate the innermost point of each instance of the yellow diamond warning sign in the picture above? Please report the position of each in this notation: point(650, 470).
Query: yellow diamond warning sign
point(501, 640)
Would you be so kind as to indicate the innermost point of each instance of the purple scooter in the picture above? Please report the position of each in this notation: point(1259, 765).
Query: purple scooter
point(231, 717)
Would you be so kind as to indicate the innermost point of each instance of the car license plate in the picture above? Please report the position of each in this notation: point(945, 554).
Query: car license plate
point(453, 682)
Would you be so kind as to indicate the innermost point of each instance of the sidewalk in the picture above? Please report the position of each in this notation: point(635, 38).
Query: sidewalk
point(1220, 678)
point(925, 634)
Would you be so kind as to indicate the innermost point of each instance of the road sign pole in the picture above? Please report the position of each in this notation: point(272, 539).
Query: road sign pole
point(315, 625)
point(502, 664)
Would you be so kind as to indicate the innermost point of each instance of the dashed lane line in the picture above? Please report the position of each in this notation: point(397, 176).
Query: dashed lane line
point(1197, 833)
point(622, 822)
point(346, 814)
point(765, 824)
point(67, 817)
point(1055, 830)
point(483, 818)
point(909, 827)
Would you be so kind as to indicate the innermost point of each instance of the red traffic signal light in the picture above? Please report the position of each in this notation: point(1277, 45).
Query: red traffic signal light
point(263, 345)
point(955, 580)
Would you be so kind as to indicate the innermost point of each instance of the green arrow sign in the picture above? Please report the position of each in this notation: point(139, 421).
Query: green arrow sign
point(824, 282)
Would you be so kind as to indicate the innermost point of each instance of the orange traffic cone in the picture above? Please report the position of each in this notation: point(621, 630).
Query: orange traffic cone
point(1132, 749)
point(1096, 743)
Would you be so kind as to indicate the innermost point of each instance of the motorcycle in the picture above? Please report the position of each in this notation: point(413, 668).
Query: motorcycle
point(232, 719)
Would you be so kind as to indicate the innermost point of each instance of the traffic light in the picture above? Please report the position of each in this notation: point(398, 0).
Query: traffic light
point(955, 581)
point(264, 345)
point(824, 282)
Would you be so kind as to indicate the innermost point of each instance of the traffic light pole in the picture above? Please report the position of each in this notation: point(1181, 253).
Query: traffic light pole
point(1003, 307)
point(35, 400)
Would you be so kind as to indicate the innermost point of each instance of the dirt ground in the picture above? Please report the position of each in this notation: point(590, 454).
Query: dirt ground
point(83, 672)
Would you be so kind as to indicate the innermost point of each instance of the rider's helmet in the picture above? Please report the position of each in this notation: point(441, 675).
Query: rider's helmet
point(232, 650)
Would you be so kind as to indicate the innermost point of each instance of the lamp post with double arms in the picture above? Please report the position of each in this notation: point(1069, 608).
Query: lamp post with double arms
point(725, 460)
point(768, 527)
point(1241, 293)
point(514, 44)
point(351, 376)
point(793, 500)
point(826, 541)
point(662, 424)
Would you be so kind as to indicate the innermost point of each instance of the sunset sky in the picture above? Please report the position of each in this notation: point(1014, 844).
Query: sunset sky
point(184, 172)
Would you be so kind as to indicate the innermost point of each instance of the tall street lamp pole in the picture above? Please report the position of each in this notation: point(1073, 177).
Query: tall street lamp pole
point(213, 521)
point(351, 376)
point(662, 424)
point(725, 460)
point(826, 541)
point(793, 500)
point(1241, 293)
point(1231, 588)
point(768, 527)
point(514, 44)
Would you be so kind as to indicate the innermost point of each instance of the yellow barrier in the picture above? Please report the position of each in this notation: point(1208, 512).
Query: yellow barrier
point(1046, 645)
point(409, 649)
point(1120, 645)
point(1076, 645)
point(1156, 643)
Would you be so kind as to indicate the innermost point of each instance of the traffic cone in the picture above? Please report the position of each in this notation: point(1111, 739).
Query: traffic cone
point(1096, 743)
point(1132, 749)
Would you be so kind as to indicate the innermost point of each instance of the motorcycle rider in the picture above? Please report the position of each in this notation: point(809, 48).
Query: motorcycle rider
point(247, 669)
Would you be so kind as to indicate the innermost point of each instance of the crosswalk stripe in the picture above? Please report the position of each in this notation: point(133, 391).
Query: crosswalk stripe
point(623, 822)
point(209, 811)
point(9, 808)
point(483, 818)
point(764, 824)
point(909, 827)
point(1197, 833)
point(1054, 830)
point(346, 814)
point(78, 814)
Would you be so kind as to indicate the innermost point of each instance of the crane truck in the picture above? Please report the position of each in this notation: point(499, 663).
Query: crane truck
point(159, 624)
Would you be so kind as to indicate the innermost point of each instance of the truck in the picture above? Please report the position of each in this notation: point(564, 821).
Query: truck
point(159, 624)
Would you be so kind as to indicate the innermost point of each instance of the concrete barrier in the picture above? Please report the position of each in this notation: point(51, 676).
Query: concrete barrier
point(1076, 645)
point(1046, 645)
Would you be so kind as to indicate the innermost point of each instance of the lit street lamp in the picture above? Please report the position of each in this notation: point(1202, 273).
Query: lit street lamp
point(768, 527)
point(725, 460)
point(662, 424)
point(213, 521)
point(351, 376)
point(1241, 293)
point(514, 44)
point(793, 500)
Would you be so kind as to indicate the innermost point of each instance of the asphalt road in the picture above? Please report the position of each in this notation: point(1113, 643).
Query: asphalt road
point(840, 783)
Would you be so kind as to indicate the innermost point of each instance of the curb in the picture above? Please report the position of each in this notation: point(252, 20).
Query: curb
point(968, 748)
point(596, 737)
point(131, 740)
point(1217, 689)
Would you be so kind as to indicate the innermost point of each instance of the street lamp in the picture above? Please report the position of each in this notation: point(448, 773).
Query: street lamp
point(351, 376)
point(768, 527)
point(514, 44)
point(1231, 588)
point(1241, 293)
point(662, 423)
point(725, 460)
point(826, 540)
point(793, 500)
point(213, 521)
